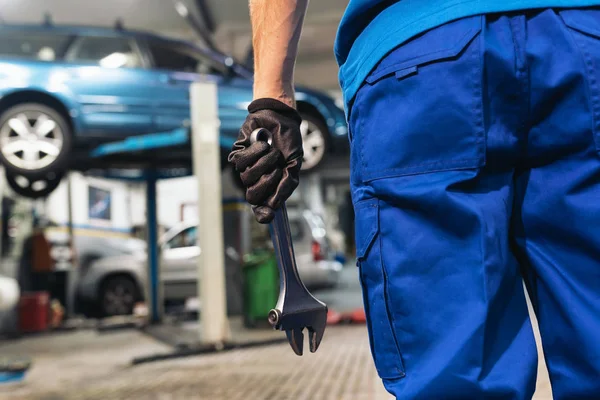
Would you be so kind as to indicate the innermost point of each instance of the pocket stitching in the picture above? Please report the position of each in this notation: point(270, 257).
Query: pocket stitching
point(401, 371)
point(366, 241)
point(448, 165)
point(398, 371)
point(369, 175)
point(414, 61)
point(591, 81)
point(478, 60)
point(361, 143)
point(367, 313)
point(573, 24)
point(594, 92)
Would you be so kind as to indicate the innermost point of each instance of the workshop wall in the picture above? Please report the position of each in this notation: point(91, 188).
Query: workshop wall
point(177, 198)
point(98, 204)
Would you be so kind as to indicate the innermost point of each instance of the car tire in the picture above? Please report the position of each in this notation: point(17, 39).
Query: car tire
point(35, 140)
point(33, 188)
point(315, 141)
point(117, 296)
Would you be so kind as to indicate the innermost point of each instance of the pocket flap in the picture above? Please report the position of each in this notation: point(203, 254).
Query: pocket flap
point(434, 45)
point(366, 225)
point(585, 21)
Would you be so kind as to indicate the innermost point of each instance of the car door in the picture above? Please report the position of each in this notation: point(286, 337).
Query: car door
point(109, 79)
point(179, 266)
point(176, 67)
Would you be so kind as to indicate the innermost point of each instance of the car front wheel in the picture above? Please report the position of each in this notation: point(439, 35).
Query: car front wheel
point(34, 140)
point(118, 296)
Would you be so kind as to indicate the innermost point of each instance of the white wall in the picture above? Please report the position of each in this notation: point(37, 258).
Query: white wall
point(172, 194)
point(137, 204)
point(57, 204)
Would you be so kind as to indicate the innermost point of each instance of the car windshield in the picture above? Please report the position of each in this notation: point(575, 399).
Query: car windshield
point(40, 46)
point(185, 238)
point(108, 52)
point(183, 59)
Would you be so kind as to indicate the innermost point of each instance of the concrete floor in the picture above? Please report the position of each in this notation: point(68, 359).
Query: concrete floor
point(86, 365)
point(90, 365)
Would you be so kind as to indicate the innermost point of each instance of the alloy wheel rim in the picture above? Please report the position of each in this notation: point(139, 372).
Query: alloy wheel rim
point(118, 300)
point(313, 144)
point(31, 140)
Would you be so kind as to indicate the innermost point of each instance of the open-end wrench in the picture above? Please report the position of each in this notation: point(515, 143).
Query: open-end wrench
point(296, 307)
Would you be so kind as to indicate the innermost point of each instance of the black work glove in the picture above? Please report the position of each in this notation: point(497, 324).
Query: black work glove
point(270, 173)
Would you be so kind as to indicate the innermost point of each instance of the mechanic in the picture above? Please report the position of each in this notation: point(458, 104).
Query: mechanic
point(475, 162)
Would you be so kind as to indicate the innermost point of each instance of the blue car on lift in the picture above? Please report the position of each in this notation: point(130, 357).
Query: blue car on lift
point(65, 90)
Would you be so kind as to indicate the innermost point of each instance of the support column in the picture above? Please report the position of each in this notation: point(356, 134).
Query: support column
point(73, 271)
point(214, 326)
point(154, 294)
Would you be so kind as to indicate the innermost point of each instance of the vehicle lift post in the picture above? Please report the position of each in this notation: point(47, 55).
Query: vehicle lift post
point(214, 325)
point(154, 287)
point(73, 273)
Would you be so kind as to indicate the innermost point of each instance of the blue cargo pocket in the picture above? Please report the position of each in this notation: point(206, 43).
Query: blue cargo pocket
point(373, 278)
point(421, 109)
point(584, 25)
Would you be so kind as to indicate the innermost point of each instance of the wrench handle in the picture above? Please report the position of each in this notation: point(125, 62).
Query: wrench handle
point(289, 279)
point(281, 236)
point(290, 283)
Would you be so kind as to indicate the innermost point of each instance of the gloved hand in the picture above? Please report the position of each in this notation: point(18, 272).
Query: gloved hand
point(270, 173)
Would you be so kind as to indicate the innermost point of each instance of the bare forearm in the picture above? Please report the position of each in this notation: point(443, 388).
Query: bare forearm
point(276, 28)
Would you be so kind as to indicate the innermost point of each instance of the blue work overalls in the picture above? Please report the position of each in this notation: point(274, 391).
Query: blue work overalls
point(475, 161)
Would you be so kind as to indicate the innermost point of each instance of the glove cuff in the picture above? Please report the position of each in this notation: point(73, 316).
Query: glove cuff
point(274, 105)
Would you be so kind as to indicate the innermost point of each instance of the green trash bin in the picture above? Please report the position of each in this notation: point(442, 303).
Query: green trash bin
point(261, 287)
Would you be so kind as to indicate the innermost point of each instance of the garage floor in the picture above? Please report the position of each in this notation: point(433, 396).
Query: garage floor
point(91, 365)
point(87, 366)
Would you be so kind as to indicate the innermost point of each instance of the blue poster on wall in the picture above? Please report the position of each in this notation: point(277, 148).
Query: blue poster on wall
point(99, 203)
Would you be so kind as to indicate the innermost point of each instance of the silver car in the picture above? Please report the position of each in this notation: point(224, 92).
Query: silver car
point(114, 284)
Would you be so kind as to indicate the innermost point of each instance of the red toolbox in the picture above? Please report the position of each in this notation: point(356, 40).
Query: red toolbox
point(34, 309)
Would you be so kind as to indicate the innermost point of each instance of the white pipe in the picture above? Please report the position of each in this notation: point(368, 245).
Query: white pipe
point(214, 326)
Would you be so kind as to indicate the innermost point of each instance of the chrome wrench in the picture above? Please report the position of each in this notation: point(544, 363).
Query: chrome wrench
point(296, 307)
